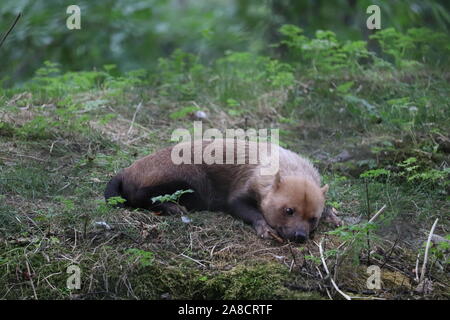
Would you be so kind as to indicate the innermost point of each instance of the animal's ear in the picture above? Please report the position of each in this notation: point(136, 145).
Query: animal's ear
point(324, 189)
point(277, 180)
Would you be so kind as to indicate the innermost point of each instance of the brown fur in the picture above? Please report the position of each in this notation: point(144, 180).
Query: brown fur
point(237, 188)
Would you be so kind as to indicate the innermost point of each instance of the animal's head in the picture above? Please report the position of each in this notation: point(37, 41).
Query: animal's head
point(293, 207)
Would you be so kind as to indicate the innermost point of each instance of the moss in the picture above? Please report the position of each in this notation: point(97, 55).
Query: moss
point(6, 129)
point(45, 280)
point(155, 281)
point(264, 281)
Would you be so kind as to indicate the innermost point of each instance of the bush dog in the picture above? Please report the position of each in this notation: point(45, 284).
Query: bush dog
point(287, 203)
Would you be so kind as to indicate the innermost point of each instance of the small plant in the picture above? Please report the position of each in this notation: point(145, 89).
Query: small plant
point(353, 232)
point(413, 171)
point(145, 258)
point(113, 201)
point(49, 83)
point(174, 198)
point(357, 237)
point(69, 204)
point(441, 250)
point(375, 173)
point(37, 128)
point(234, 108)
point(418, 44)
point(120, 86)
point(183, 112)
point(181, 75)
point(314, 259)
point(324, 53)
point(246, 76)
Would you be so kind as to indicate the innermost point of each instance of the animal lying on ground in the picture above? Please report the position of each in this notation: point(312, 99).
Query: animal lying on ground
point(287, 203)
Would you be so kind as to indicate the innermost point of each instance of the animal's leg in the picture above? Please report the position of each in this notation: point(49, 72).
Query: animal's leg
point(246, 210)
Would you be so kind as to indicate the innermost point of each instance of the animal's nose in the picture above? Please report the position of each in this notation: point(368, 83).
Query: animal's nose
point(300, 236)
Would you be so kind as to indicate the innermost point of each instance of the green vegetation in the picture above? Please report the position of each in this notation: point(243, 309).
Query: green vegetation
point(174, 198)
point(373, 113)
point(136, 33)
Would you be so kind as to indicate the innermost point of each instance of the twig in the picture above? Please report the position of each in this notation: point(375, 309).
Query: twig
point(368, 218)
point(416, 270)
point(61, 189)
point(136, 139)
point(368, 298)
point(27, 156)
point(259, 250)
point(10, 28)
point(276, 237)
point(425, 258)
point(293, 255)
point(86, 218)
point(377, 214)
point(320, 274)
point(347, 297)
point(31, 279)
point(131, 237)
point(326, 289)
point(34, 223)
point(120, 117)
point(390, 252)
point(134, 117)
point(291, 266)
point(48, 282)
point(108, 241)
point(192, 259)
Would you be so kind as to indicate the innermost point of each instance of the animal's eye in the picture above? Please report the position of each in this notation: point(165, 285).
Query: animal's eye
point(289, 211)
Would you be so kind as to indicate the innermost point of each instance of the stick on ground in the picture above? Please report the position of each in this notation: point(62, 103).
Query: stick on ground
point(425, 258)
point(276, 237)
point(347, 297)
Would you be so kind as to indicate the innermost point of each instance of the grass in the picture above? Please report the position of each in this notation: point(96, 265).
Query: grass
point(62, 136)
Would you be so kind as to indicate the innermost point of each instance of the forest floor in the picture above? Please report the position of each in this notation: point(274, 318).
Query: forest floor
point(58, 151)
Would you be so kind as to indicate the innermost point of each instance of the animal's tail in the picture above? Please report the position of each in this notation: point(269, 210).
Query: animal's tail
point(114, 189)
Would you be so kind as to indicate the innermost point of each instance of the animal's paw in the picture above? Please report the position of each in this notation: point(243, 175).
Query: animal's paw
point(264, 231)
point(329, 215)
point(173, 208)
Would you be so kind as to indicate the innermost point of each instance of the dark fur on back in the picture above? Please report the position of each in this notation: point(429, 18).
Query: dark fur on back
point(141, 197)
point(156, 175)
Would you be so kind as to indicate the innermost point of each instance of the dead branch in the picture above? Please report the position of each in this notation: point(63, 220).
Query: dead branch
point(425, 259)
point(134, 118)
point(322, 257)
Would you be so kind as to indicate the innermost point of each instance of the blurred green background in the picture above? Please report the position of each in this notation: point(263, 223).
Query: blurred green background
point(133, 34)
